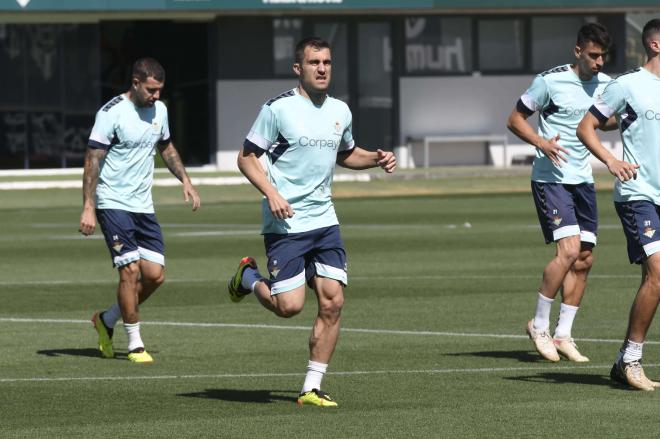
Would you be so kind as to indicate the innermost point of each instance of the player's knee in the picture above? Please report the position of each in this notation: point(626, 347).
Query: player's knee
point(129, 273)
point(331, 308)
point(156, 279)
point(570, 255)
point(288, 310)
point(584, 262)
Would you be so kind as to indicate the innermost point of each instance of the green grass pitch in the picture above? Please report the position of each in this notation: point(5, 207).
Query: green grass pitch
point(432, 345)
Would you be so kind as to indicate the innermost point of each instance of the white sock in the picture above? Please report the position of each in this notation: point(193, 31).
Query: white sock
point(565, 320)
point(542, 317)
point(111, 315)
point(315, 372)
point(632, 351)
point(250, 277)
point(133, 333)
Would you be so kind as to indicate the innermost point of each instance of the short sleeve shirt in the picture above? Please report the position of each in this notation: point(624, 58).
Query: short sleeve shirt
point(634, 98)
point(562, 99)
point(130, 135)
point(301, 142)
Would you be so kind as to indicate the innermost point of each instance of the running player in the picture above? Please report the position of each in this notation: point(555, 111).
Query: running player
point(304, 133)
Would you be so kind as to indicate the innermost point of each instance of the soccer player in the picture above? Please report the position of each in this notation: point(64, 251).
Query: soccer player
point(303, 132)
point(562, 184)
point(117, 180)
point(634, 99)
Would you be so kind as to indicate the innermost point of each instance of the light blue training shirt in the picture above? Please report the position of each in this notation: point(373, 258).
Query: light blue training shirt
point(301, 141)
point(634, 97)
point(129, 134)
point(562, 99)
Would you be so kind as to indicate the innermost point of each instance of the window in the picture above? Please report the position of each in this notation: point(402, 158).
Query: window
point(438, 45)
point(247, 57)
point(47, 111)
point(501, 45)
point(286, 33)
point(553, 40)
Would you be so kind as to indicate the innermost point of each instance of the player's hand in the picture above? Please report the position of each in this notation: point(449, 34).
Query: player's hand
point(386, 160)
point(87, 222)
point(279, 207)
point(624, 171)
point(554, 151)
point(190, 192)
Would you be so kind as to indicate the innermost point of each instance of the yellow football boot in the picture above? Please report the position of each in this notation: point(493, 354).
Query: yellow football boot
point(139, 355)
point(236, 290)
point(317, 398)
point(105, 336)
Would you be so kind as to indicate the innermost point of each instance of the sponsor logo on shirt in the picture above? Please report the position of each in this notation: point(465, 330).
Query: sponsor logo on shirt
point(141, 144)
point(652, 115)
point(319, 143)
point(570, 111)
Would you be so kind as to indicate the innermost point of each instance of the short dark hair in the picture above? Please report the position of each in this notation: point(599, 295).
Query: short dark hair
point(650, 29)
point(596, 33)
point(315, 42)
point(145, 68)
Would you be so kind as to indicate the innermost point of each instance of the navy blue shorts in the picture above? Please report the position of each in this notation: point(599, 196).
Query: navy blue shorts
point(641, 225)
point(566, 210)
point(131, 236)
point(298, 257)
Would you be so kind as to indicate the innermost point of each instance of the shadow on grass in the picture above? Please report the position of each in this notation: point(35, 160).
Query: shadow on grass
point(522, 356)
point(568, 378)
point(235, 395)
point(81, 352)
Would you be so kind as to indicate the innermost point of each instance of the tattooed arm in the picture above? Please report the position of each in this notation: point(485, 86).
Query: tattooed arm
point(175, 165)
point(93, 159)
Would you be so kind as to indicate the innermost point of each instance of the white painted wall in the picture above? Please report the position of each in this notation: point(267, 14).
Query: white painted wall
point(467, 105)
point(458, 104)
point(238, 103)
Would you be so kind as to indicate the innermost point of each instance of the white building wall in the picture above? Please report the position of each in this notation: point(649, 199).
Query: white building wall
point(238, 103)
point(467, 105)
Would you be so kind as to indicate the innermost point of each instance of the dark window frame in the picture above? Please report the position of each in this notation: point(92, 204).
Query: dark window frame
point(526, 42)
point(401, 55)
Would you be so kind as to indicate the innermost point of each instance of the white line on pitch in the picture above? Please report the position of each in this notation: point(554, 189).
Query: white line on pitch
point(355, 278)
point(89, 282)
point(307, 328)
point(339, 373)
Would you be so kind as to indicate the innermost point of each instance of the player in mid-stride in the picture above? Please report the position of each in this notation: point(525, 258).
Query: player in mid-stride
point(117, 180)
point(563, 185)
point(304, 133)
